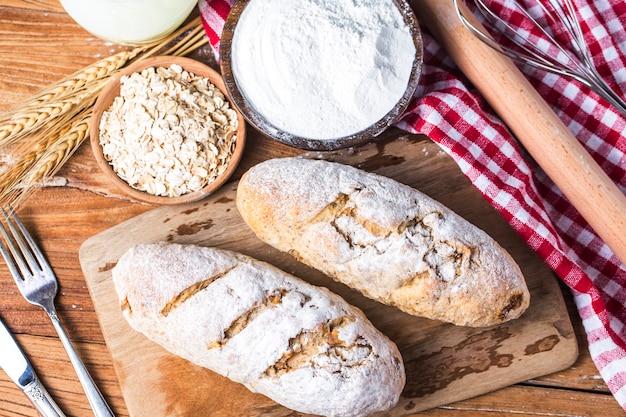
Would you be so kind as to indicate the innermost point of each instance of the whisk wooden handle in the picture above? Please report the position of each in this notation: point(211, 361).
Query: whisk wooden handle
point(533, 122)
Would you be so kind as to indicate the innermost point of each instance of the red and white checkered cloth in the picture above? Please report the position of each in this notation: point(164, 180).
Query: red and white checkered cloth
point(451, 113)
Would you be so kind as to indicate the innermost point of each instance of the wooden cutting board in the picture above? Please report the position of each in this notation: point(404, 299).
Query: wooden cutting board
point(444, 363)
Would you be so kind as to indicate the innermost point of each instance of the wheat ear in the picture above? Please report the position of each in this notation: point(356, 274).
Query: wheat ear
point(75, 82)
point(41, 163)
point(60, 98)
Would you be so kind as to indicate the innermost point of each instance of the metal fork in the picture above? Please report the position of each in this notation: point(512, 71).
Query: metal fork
point(38, 284)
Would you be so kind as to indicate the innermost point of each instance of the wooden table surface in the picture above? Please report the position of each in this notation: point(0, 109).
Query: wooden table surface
point(39, 44)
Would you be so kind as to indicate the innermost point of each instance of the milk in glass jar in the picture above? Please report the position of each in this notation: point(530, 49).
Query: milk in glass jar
point(129, 22)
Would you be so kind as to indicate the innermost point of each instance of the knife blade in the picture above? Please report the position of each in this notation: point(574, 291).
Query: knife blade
point(18, 368)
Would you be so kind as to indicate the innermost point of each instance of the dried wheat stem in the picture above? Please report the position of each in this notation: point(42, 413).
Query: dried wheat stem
point(14, 173)
point(194, 25)
point(193, 42)
point(185, 45)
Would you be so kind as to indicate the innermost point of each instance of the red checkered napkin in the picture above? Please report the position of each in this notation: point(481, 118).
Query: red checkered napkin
point(451, 113)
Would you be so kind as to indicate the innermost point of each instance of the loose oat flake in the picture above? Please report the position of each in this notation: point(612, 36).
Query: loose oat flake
point(169, 132)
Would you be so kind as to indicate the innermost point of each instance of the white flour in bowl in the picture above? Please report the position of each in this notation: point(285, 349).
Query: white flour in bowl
point(322, 69)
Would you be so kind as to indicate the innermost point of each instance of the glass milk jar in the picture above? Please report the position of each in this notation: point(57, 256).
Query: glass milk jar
point(129, 21)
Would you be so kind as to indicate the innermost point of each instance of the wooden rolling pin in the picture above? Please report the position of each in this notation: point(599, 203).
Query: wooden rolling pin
point(533, 122)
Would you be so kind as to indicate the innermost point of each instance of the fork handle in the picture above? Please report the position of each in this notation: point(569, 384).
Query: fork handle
point(96, 400)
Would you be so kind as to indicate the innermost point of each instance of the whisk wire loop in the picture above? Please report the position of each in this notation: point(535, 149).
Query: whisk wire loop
point(569, 58)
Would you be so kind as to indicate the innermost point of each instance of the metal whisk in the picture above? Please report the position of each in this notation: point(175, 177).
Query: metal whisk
point(569, 58)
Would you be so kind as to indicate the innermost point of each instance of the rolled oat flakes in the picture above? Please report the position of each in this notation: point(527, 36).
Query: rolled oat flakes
point(169, 132)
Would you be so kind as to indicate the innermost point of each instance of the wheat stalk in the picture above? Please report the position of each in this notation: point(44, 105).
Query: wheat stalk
point(192, 41)
point(29, 120)
point(54, 157)
point(49, 105)
point(77, 81)
point(40, 163)
point(190, 30)
point(40, 135)
point(21, 160)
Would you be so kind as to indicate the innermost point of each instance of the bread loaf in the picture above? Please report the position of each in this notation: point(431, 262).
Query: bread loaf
point(389, 241)
point(300, 345)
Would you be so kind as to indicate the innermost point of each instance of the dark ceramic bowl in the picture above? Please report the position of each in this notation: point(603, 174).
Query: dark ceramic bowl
point(249, 112)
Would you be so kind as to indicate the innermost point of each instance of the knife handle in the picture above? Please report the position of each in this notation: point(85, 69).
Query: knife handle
point(41, 399)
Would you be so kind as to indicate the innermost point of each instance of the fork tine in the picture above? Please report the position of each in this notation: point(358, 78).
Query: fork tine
point(16, 262)
point(8, 258)
point(27, 254)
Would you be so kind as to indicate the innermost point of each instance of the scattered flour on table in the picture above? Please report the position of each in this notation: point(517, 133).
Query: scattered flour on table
point(322, 69)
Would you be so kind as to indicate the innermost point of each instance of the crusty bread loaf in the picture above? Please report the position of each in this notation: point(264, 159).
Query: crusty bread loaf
point(301, 345)
point(385, 239)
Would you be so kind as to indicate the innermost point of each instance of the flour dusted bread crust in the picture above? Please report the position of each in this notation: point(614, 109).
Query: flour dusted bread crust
point(387, 240)
point(301, 345)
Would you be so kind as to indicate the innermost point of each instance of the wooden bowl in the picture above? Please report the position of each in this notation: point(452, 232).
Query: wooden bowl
point(112, 90)
point(268, 129)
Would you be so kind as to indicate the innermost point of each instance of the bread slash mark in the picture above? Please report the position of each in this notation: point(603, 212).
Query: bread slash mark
point(513, 303)
point(341, 207)
point(271, 301)
point(332, 209)
point(125, 305)
point(307, 344)
point(192, 290)
point(446, 259)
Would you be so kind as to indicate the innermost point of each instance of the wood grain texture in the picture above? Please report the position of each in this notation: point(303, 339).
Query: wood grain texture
point(40, 44)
